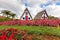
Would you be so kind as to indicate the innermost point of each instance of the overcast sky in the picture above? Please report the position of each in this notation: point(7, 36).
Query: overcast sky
point(17, 6)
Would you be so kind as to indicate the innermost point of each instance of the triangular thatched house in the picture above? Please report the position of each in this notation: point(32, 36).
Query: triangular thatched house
point(42, 14)
point(26, 15)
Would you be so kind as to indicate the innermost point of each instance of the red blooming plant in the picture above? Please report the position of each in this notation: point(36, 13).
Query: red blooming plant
point(40, 22)
point(14, 34)
point(47, 22)
point(2, 35)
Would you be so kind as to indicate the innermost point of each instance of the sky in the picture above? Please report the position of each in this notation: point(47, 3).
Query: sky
point(18, 6)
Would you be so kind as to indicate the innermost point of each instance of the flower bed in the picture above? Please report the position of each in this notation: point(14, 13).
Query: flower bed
point(14, 34)
point(41, 22)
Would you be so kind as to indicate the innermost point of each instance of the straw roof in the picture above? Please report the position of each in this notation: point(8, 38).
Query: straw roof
point(39, 15)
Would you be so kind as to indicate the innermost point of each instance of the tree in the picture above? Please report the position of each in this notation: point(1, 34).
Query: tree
point(52, 17)
point(6, 12)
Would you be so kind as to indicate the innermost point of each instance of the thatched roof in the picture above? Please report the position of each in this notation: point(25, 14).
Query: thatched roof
point(39, 15)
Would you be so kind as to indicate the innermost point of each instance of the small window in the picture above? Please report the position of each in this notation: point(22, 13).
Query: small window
point(29, 18)
point(23, 17)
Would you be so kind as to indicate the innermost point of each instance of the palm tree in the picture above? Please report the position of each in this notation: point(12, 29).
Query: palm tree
point(6, 12)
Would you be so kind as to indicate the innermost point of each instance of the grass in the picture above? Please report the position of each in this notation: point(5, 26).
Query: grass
point(36, 29)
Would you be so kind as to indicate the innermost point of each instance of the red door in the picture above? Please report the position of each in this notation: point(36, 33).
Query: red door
point(26, 18)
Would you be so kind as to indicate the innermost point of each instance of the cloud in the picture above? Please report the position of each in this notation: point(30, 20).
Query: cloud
point(11, 5)
point(53, 10)
point(34, 6)
point(34, 10)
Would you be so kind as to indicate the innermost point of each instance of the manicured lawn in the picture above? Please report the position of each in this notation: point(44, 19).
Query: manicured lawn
point(36, 29)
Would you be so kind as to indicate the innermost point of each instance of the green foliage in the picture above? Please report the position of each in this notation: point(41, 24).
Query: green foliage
point(52, 17)
point(18, 36)
point(8, 13)
point(4, 19)
point(8, 34)
point(1, 19)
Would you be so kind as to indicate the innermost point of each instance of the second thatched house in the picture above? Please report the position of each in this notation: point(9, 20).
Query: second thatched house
point(42, 14)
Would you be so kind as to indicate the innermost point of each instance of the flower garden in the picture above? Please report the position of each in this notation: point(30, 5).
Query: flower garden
point(28, 29)
point(43, 29)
